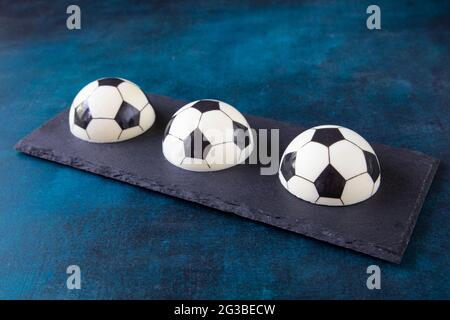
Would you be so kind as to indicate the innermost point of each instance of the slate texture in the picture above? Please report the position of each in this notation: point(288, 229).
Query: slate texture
point(380, 227)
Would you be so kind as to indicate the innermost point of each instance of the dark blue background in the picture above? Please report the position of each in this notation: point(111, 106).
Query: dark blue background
point(308, 62)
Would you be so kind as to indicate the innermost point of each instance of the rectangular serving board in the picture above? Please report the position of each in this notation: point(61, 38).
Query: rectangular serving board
point(380, 227)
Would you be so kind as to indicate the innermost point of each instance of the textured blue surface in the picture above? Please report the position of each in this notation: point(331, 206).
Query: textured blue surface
point(308, 63)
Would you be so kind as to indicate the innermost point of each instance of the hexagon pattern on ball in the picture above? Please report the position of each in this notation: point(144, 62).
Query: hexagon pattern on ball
point(330, 165)
point(207, 135)
point(110, 110)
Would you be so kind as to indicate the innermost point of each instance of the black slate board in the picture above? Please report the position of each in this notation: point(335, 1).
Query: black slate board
point(380, 227)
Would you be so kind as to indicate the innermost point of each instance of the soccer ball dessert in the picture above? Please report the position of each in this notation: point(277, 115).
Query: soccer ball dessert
point(110, 110)
point(330, 165)
point(207, 135)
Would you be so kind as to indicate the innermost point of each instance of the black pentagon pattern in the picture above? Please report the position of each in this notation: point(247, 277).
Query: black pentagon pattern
point(241, 135)
point(82, 115)
point(196, 145)
point(206, 105)
point(110, 82)
point(127, 116)
point(373, 168)
point(327, 136)
point(330, 183)
point(288, 165)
